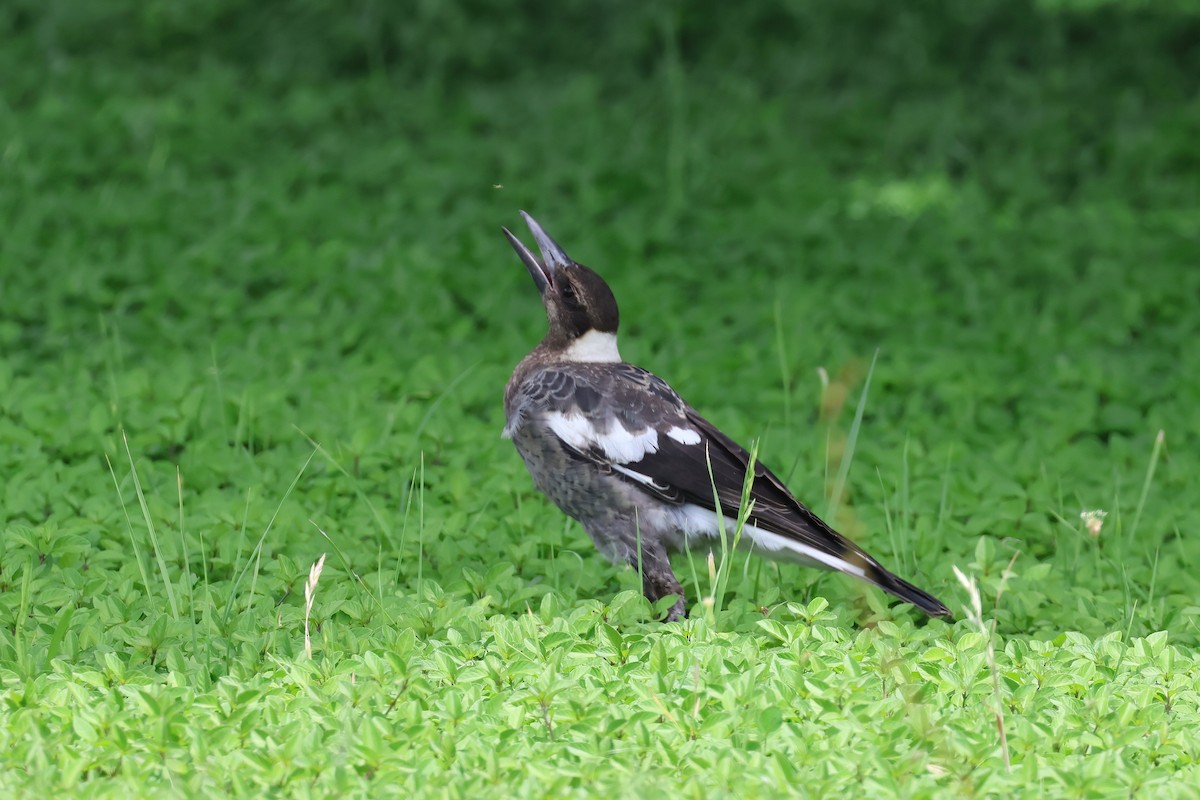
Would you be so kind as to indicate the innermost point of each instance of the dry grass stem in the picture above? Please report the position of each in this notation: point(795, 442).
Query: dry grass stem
point(310, 591)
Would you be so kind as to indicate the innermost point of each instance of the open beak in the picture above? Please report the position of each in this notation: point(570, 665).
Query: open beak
point(553, 257)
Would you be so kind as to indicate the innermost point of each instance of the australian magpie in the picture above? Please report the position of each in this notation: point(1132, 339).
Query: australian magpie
point(616, 448)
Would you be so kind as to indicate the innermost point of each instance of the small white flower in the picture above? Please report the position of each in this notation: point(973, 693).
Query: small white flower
point(1093, 520)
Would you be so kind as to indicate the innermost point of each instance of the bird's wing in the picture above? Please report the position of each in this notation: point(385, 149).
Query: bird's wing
point(630, 423)
point(611, 416)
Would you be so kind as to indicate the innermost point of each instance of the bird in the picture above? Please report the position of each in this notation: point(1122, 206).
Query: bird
point(617, 449)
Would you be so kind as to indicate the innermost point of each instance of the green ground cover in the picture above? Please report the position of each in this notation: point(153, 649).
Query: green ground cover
point(255, 307)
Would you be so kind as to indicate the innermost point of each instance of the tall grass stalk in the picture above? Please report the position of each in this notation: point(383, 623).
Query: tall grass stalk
point(20, 647)
point(421, 526)
point(138, 556)
point(729, 543)
point(256, 554)
point(358, 579)
point(157, 548)
point(187, 562)
point(310, 594)
point(1149, 480)
point(408, 500)
point(839, 484)
point(385, 528)
point(974, 609)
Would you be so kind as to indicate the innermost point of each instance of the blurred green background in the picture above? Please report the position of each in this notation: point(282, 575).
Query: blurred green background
point(233, 229)
point(225, 221)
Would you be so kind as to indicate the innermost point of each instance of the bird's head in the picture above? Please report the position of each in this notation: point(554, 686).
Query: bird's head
point(580, 308)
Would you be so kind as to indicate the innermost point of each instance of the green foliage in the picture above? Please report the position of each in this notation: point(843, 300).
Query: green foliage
point(254, 307)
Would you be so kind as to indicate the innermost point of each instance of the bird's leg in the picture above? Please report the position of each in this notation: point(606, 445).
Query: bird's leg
point(658, 581)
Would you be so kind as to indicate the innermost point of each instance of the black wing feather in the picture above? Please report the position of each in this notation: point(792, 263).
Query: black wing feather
point(685, 468)
point(680, 473)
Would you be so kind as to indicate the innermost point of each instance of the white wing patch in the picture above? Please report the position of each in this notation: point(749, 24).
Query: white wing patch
point(684, 435)
point(639, 477)
point(696, 520)
point(619, 445)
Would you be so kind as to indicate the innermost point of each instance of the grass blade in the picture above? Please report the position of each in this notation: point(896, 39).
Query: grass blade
point(138, 557)
point(839, 484)
point(257, 552)
point(1154, 456)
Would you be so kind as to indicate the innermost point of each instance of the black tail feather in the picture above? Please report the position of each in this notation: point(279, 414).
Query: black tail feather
point(909, 593)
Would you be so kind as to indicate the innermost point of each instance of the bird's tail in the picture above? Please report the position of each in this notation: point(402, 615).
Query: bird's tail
point(901, 588)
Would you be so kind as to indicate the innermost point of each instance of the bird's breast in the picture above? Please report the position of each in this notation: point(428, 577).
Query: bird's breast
point(577, 487)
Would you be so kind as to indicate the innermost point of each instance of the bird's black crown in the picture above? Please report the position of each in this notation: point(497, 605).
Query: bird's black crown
point(577, 300)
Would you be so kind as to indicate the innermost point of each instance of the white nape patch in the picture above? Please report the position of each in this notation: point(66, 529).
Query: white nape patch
point(684, 435)
point(596, 347)
point(618, 444)
point(699, 521)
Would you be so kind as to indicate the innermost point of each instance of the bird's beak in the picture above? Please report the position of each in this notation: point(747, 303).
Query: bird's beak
point(553, 257)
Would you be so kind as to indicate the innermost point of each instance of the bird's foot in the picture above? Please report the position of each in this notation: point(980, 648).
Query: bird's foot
point(678, 612)
point(661, 582)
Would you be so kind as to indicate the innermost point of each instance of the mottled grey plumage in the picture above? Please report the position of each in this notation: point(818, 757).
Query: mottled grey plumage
point(583, 482)
point(617, 449)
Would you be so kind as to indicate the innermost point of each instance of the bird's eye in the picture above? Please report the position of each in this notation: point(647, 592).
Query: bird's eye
point(568, 292)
